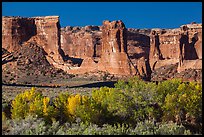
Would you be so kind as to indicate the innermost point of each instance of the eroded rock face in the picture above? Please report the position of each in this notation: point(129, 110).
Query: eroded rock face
point(111, 48)
point(43, 31)
point(15, 31)
point(194, 50)
point(170, 71)
point(82, 48)
point(114, 58)
point(81, 42)
point(29, 65)
point(48, 35)
point(176, 45)
point(101, 48)
point(138, 46)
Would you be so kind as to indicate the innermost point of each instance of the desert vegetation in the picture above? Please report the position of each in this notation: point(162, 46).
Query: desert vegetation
point(132, 107)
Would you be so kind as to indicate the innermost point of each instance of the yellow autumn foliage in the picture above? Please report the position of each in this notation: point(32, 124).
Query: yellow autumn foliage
point(32, 102)
point(45, 105)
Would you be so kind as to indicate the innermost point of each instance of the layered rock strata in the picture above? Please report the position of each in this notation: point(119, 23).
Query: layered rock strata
point(43, 31)
point(111, 48)
point(183, 45)
point(114, 58)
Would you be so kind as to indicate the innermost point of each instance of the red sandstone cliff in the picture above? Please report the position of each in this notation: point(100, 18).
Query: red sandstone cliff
point(176, 46)
point(114, 58)
point(111, 47)
point(44, 31)
point(102, 49)
point(80, 42)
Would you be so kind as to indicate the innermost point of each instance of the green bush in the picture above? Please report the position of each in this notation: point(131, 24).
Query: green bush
point(142, 96)
point(89, 111)
point(115, 105)
point(166, 87)
point(187, 98)
point(132, 107)
point(60, 103)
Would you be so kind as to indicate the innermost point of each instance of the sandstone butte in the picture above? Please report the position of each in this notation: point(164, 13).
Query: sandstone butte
point(112, 47)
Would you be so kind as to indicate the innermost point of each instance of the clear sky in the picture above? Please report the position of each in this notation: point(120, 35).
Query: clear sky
point(133, 14)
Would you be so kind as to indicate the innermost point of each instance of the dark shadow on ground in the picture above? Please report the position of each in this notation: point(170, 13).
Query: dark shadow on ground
point(91, 85)
point(97, 85)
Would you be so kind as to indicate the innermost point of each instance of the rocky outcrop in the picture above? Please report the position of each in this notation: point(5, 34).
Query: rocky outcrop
point(110, 48)
point(29, 65)
point(194, 50)
point(174, 46)
point(15, 31)
point(170, 71)
point(48, 36)
point(138, 46)
point(102, 49)
point(81, 42)
point(114, 58)
point(44, 31)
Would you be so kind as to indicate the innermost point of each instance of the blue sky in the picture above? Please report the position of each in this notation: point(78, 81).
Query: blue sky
point(133, 14)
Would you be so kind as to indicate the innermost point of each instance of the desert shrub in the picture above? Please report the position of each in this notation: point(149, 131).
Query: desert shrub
point(142, 128)
point(114, 104)
point(145, 127)
point(171, 129)
point(28, 126)
point(32, 125)
point(60, 103)
point(81, 128)
point(116, 129)
point(142, 96)
point(32, 102)
point(187, 98)
point(77, 129)
point(149, 127)
point(89, 111)
point(22, 102)
point(166, 87)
